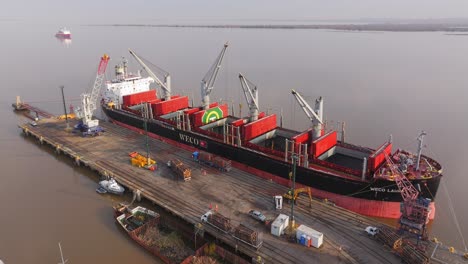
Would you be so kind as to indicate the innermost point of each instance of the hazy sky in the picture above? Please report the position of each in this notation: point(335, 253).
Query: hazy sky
point(116, 11)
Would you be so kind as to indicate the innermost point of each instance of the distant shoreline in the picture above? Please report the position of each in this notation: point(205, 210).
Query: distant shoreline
point(346, 27)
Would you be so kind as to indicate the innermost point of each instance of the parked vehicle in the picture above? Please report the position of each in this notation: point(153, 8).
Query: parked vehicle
point(204, 218)
point(180, 169)
point(111, 186)
point(371, 230)
point(212, 160)
point(257, 215)
point(217, 220)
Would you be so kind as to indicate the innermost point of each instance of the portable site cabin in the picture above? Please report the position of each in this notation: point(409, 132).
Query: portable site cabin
point(305, 234)
point(279, 225)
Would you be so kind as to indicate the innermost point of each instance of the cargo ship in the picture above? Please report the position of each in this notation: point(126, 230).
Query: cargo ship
point(351, 176)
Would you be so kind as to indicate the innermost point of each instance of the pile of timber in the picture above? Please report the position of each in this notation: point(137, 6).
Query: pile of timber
point(220, 221)
point(246, 234)
point(205, 156)
point(389, 237)
point(214, 161)
point(412, 255)
point(180, 169)
point(222, 164)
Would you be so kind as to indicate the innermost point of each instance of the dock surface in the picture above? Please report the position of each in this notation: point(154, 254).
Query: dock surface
point(234, 193)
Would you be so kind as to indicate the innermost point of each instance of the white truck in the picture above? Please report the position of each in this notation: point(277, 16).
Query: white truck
point(204, 218)
point(371, 230)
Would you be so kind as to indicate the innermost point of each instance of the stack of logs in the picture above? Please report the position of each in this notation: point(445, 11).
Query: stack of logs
point(409, 253)
point(244, 233)
point(389, 237)
point(220, 221)
point(180, 169)
point(222, 164)
point(214, 161)
point(412, 255)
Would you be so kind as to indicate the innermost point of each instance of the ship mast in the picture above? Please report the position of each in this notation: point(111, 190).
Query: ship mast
point(420, 146)
point(61, 255)
point(208, 81)
point(315, 115)
point(251, 95)
point(166, 85)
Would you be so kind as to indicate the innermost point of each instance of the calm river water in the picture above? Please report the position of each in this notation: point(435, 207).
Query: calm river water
point(379, 83)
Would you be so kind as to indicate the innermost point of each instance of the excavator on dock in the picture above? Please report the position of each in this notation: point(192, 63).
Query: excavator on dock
point(289, 197)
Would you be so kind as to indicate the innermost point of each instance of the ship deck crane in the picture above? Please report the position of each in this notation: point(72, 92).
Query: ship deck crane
point(165, 86)
point(208, 81)
point(251, 95)
point(315, 115)
point(89, 101)
point(415, 212)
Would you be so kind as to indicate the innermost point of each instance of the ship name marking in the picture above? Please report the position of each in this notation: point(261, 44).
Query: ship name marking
point(376, 189)
point(189, 139)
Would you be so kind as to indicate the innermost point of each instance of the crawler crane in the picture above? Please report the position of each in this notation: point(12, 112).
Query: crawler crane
point(89, 101)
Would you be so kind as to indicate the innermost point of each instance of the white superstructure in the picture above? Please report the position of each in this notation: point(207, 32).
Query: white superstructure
point(124, 84)
point(64, 31)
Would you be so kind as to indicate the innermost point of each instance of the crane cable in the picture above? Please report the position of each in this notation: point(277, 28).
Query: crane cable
point(452, 211)
point(451, 208)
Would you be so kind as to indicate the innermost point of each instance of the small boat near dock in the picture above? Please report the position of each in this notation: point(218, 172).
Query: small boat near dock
point(110, 186)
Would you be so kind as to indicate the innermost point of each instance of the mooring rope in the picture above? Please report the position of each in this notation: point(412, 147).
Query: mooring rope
point(452, 211)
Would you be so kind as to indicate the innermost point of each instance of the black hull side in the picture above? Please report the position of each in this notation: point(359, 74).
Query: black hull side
point(376, 190)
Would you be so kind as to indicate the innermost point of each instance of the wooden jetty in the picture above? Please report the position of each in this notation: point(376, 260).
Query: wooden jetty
point(234, 193)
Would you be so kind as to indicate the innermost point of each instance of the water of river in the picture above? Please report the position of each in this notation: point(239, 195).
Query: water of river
point(379, 83)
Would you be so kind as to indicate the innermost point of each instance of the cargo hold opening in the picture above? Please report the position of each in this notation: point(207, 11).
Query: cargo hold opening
point(274, 139)
point(346, 157)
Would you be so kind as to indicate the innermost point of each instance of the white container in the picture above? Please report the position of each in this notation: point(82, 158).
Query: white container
point(279, 225)
point(279, 202)
point(315, 236)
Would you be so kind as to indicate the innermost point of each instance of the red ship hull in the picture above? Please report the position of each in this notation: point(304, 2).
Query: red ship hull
point(63, 36)
point(373, 208)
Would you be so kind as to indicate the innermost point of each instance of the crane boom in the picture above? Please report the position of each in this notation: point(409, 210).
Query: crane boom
point(166, 85)
point(408, 191)
point(414, 211)
point(89, 100)
point(316, 116)
point(208, 81)
point(251, 95)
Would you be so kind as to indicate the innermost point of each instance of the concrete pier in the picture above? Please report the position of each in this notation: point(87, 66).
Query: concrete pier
point(234, 193)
